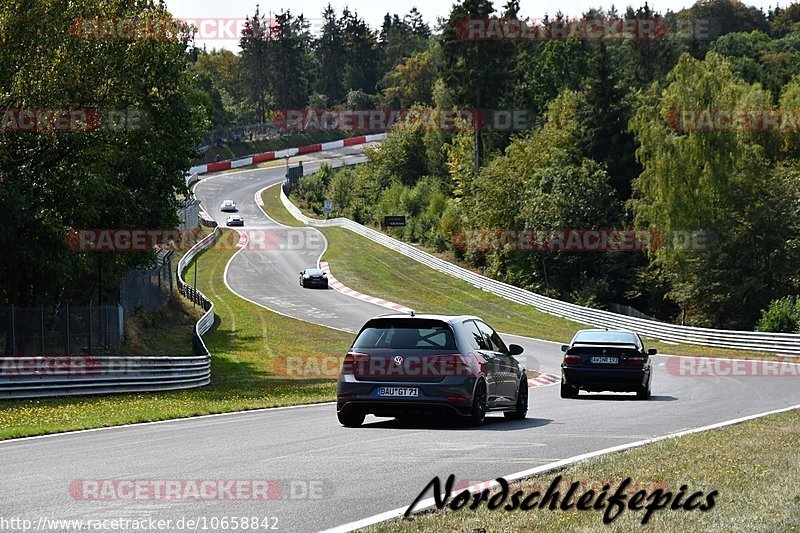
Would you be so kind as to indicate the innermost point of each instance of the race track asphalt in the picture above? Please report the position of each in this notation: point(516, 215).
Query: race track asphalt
point(331, 475)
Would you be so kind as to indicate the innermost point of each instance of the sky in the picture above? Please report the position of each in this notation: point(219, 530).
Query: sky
point(374, 10)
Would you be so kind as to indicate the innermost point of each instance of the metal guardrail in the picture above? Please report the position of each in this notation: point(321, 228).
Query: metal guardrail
point(207, 320)
point(785, 343)
point(44, 376)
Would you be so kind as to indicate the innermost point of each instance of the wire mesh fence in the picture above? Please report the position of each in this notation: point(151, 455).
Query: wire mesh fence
point(148, 290)
point(248, 132)
point(60, 330)
point(189, 214)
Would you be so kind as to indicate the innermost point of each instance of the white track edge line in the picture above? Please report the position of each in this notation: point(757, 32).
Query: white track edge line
point(427, 504)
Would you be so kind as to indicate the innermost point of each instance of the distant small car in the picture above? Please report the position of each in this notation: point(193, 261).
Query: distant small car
point(234, 221)
point(228, 206)
point(313, 277)
point(599, 360)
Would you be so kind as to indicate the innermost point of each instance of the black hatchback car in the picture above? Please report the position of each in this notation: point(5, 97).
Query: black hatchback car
point(313, 277)
point(402, 366)
point(603, 360)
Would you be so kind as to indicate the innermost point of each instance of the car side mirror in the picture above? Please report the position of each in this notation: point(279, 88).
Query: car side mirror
point(564, 347)
point(515, 349)
point(652, 351)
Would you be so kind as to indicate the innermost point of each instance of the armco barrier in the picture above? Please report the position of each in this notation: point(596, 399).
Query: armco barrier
point(291, 152)
point(35, 377)
point(784, 343)
point(207, 320)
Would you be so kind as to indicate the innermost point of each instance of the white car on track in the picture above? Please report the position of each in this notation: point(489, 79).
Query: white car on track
point(228, 206)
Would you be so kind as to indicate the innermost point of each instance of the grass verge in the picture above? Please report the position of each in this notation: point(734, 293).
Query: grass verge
point(375, 270)
point(249, 347)
point(168, 331)
point(274, 207)
point(753, 465)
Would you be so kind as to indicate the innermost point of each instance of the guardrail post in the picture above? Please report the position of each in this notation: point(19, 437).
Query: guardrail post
point(120, 327)
point(41, 330)
point(66, 329)
point(103, 326)
point(12, 330)
point(89, 328)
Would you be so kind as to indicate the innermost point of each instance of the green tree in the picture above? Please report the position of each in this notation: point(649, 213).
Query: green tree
point(605, 116)
point(722, 17)
point(782, 316)
point(402, 38)
point(330, 57)
point(401, 157)
point(784, 20)
point(719, 182)
point(362, 56)
point(542, 182)
point(410, 82)
point(288, 50)
point(474, 71)
point(255, 62)
point(123, 176)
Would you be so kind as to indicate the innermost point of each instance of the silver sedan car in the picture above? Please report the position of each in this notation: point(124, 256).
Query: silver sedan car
point(228, 206)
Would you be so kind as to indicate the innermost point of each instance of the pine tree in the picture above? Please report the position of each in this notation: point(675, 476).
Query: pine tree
point(330, 55)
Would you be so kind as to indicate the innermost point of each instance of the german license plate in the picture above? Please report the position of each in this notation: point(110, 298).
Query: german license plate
point(605, 360)
point(398, 392)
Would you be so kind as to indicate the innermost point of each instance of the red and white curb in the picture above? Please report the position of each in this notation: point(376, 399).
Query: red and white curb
point(338, 286)
point(544, 380)
point(273, 156)
point(244, 239)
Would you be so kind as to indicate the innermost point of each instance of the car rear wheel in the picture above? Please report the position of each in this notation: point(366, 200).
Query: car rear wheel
point(351, 418)
point(522, 401)
point(478, 413)
point(643, 393)
point(568, 391)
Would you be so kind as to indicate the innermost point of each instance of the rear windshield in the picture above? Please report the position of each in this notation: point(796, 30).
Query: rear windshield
point(406, 334)
point(314, 272)
point(606, 337)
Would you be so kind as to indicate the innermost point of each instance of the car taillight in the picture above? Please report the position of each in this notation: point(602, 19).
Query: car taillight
point(449, 365)
point(572, 360)
point(636, 361)
point(351, 360)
